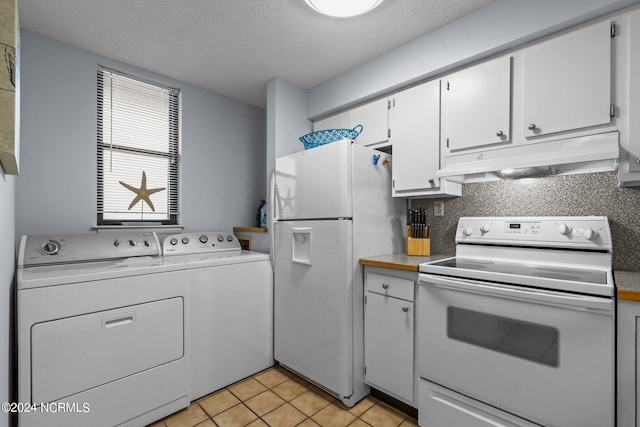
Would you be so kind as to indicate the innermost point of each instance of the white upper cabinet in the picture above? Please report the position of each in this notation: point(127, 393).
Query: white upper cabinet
point(629, 173)
point(415, 136)
point(374, 118)
point(567, 82)
point(477, 105)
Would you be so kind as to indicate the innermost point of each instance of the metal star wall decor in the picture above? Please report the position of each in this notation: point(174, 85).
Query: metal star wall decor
point(142, 193)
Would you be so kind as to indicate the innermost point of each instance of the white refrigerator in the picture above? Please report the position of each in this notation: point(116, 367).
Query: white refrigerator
point(332, 206)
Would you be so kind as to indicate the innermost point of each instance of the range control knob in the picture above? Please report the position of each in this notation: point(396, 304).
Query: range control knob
point(173, 241)
point(468, 231)
point(220, 239)
point(132, 242)
point(185, 240)
point(564, 229)
point(229, 238)
point(50, 248)
point(485, 228)
point(590, 234)
point(203, 238)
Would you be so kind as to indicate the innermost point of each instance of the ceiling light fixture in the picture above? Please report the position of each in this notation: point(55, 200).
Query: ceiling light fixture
point(343, 8)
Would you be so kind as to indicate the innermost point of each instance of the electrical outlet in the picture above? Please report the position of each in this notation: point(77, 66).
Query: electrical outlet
point(438, 208)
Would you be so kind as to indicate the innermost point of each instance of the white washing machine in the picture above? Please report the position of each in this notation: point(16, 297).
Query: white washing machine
point(231, 310)
point(102, 331)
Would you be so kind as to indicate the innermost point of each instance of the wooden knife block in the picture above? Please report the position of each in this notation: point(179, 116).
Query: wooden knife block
point(419, 247)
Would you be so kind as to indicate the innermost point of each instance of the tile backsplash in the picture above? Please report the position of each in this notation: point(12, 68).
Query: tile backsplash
point(583, 194)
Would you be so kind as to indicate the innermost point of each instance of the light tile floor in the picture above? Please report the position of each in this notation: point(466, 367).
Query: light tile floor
point(276, 397)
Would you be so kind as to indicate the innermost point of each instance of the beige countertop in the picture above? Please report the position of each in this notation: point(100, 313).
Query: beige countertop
point(400, 261)
point(628, 284)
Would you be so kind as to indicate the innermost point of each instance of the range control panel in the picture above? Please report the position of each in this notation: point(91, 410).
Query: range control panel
point(69, 248)
point(588, 232)
point(197, 243)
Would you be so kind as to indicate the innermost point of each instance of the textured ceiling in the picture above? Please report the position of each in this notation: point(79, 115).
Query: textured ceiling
point(233, 47)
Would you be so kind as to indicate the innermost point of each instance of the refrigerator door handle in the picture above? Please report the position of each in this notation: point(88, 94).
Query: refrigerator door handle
point(271, 217)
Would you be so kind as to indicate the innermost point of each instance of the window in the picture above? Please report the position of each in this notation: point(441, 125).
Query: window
point(138, 140)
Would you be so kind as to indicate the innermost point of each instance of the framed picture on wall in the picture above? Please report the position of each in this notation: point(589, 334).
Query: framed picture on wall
point(9, 70)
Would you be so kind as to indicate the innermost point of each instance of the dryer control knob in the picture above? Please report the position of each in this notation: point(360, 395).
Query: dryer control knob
point(147, 243)
point(590, 234)
point(185, 240)
point(203, 238)
point(50, 248)
point(485, 228)
point(116, 243)
point(173, 241)
point(468, 231)
point(220, 239)
point(132, 243)
point(564, 229)
point(229, 238)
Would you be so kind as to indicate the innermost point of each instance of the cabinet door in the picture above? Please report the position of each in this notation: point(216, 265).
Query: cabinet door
point(388, 341)
point(477, 105)
point(332, 122)
point(415, 135)
point(374, 118)
point(567, 82)
point(634, 91)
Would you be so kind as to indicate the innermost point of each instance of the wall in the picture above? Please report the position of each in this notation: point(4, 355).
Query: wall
point(7, 265)
point(223, 151)
point(583, 194)
point(497, 27)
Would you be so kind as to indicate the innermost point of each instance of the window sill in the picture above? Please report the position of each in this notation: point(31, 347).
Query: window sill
point(158, 228)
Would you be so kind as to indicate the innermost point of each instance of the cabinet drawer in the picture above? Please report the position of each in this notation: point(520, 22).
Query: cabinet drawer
point(390, 286)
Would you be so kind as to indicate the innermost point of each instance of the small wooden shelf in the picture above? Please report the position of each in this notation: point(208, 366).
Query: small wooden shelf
point(250, 229)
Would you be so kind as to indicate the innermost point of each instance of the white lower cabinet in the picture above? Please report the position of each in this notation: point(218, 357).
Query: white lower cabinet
point(389, 349)
point(628, 363)
point(441, 407)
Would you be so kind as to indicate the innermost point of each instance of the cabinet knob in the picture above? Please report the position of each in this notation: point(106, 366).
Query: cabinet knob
point(432, 181)
point(385, 286)
point(500, 134)
point(405, 308)
point(532, 126)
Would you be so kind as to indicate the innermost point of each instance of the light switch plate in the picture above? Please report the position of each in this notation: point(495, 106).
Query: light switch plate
point(438, 208)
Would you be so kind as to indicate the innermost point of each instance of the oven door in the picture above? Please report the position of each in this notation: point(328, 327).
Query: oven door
point(543, 355)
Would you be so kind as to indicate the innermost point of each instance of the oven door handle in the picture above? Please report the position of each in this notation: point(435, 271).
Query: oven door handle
point(572, 301)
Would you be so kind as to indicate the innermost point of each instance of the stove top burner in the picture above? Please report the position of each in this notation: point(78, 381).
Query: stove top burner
point(568, 274)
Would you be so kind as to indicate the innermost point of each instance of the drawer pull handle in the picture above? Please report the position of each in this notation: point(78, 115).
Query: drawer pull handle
point(385, 286)
point(119, 320)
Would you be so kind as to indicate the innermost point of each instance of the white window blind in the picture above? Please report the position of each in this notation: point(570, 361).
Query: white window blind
point(138, 148)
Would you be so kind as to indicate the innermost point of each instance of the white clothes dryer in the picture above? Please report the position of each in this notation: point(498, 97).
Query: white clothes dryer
point(231, 309)
point(102, 322)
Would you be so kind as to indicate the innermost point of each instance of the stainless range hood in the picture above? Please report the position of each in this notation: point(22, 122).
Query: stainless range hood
point(535, 159)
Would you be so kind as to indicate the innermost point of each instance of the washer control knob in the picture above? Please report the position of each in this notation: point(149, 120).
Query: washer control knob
point(185, 240)
point(485, 228)
point(203, 238)
point(132, 242)
point(147, 243)
point(220, 239)
point(50, 248)
point(229, 238)
point(173, 241)
point(564, 229)
point(468, 231)
point(590, 234)
point(116, 243)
